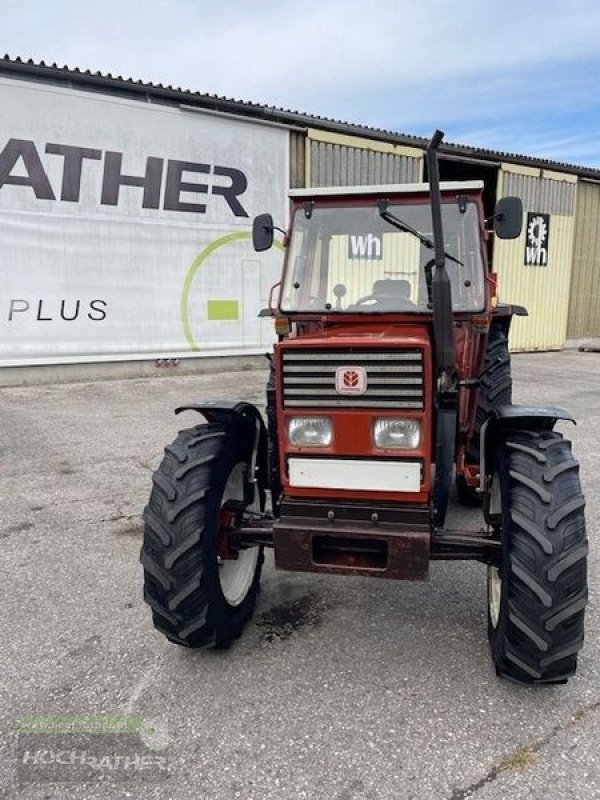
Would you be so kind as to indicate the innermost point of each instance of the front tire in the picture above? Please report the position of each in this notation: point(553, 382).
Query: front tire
point(538, 593)
point(199, 599)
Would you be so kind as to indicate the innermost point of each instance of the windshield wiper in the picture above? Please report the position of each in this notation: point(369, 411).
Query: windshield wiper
point(404, 226)
point(428, 270)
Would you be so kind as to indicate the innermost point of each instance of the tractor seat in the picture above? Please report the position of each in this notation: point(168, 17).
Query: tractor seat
point(389, 289)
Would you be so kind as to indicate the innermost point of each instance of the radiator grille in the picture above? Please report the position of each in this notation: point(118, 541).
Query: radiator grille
point(394, 378)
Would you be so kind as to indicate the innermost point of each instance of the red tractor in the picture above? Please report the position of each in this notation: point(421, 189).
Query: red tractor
point(391, 373)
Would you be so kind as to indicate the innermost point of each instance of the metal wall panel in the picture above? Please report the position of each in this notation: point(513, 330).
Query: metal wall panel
point(297, 159)
point(540, 193)
point(584, 305)
point(543, 290)
point(341, 160)
point(337, 165)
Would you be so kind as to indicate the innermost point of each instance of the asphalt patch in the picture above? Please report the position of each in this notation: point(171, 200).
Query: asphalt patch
point(66, 469)
point(281, 621)
point(19, 527)
point(135, 531)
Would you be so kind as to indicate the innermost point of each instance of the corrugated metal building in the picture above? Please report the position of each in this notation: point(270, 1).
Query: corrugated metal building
point(543, 288)
point(584, 296)
point(553, 269)
point(334, 159)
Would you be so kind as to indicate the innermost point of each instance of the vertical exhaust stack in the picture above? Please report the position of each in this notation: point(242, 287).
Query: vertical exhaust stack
point(440, 286)
point(443, 341)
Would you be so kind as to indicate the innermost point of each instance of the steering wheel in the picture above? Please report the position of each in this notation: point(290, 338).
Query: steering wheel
point(362, 300)
point(384, 303)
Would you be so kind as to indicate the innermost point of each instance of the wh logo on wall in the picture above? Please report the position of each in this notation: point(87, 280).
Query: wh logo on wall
point(536, 240)
point(369, 246)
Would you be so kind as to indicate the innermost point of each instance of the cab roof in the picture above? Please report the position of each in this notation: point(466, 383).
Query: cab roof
point(386, 188)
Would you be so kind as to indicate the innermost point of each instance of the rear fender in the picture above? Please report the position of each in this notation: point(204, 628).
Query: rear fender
point(504, 418)
point(240, 417)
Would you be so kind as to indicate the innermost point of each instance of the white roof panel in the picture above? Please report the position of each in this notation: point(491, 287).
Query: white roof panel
point(386, 188)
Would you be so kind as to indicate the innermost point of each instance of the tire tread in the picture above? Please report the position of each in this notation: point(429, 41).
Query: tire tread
point(180, 570)
point(544, 580)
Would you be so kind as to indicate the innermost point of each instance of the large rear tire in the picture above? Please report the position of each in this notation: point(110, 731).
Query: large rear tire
point(537, 595)
point(197, 598)
point(495, 389)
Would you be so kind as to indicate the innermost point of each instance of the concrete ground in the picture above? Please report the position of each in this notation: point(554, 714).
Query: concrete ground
point(340, 688)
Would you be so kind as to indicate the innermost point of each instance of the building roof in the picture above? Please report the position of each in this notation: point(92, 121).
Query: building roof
point(152, 92)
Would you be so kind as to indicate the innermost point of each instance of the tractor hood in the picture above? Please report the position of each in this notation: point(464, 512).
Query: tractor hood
point(375, 335)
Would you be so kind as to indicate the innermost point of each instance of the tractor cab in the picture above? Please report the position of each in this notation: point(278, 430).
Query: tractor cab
point(366, 250)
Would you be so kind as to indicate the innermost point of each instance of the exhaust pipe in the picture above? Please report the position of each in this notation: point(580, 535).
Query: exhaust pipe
point(446, 397)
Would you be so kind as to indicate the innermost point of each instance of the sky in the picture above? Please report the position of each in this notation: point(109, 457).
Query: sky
point(516, 76)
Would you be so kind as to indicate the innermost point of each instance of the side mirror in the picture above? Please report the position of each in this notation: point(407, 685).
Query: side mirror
point(508, 218)
point(262, 232)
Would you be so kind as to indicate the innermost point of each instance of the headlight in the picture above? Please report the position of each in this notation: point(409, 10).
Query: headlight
point(310, 431)
point(397, 434)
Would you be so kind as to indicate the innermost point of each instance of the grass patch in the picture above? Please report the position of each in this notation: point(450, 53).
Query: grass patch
point(520, 760)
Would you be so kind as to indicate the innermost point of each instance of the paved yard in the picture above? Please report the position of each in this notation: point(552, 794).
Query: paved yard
point(340, 688)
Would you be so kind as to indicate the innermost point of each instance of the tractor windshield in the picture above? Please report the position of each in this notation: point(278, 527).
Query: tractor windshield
point(351, 259)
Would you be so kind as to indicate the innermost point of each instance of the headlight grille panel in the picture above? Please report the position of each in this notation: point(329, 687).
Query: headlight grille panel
point(314, 378)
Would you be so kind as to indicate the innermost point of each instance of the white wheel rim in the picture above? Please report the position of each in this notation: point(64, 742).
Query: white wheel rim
point(494, 595)
point(237, 575)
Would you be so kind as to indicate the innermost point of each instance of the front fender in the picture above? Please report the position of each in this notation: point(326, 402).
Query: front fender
point(239, 413)
point(509, 417)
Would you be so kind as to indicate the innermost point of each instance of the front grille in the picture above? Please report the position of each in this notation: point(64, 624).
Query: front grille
point(394, 378)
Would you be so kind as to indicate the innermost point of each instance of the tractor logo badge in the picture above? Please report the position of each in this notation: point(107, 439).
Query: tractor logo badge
point(350, 380)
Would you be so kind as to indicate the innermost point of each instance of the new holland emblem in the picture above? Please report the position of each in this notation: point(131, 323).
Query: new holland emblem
point(350, 380)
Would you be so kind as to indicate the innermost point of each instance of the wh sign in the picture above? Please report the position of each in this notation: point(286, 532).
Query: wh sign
point(536, 240)
point(369, 247)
